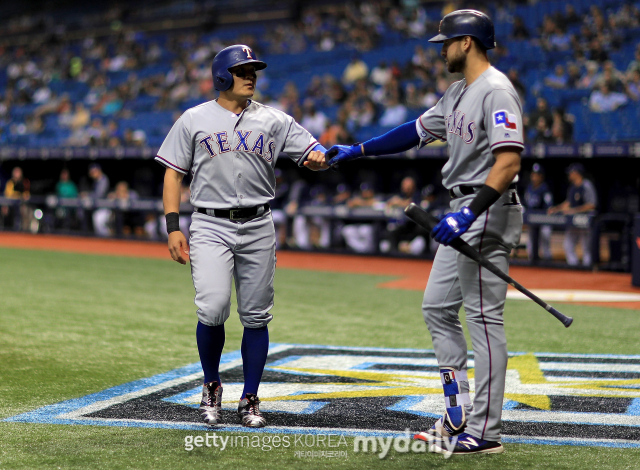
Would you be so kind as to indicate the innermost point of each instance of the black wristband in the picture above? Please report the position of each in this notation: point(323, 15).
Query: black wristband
point(483, 200)
point(173, 222)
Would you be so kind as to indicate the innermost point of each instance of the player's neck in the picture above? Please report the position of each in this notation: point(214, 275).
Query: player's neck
point(233, 103)
point(474, 68)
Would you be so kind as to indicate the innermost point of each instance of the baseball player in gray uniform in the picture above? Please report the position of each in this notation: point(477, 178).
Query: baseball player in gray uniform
point(230, 146)
point(480, 118)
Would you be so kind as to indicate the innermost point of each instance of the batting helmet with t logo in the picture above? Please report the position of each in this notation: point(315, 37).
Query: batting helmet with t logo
point(230, 57)
point(467, 23)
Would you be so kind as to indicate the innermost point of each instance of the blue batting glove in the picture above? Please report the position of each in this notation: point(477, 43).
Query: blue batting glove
point(342, 153)
point(453, 225)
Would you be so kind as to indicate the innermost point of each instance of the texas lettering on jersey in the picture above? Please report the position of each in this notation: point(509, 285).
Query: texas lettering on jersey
point(218, 143)
point(456, 125)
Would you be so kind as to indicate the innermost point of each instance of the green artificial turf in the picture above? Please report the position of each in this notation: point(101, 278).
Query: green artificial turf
point(73, 324)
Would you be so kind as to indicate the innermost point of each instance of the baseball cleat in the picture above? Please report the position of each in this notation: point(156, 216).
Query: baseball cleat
point(442, 428)
point(445, 428)
point(249, 411)
point(211, 403)
point(465, 444)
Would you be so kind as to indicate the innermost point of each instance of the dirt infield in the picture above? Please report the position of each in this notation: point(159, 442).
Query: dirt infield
point(412, 274)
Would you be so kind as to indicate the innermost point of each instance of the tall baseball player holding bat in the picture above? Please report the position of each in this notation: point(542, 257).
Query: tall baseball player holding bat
point(480, 118)
point(230, 146)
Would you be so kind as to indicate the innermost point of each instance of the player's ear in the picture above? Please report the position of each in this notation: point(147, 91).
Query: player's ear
point(467, 42)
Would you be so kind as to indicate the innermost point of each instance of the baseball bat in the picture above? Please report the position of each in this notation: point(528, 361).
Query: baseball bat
point(427, 221)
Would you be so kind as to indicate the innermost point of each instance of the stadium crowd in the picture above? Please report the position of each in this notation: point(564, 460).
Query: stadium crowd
point(98, 90)
point(87, 91)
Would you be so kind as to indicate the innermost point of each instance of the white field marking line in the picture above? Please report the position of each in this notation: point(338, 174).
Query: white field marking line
point(101, 405)
point(240, 427)
point(576, 440)
point(561, 295)
point(609, 419)
point(589, 367)
point(347, 431)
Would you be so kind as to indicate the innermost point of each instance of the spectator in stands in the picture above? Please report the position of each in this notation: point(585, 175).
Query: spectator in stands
point(558, 79)
point(588, 80)
point(570, 16)
point(559, 40)
point(277, 208)
point(313, 232)
point(395, 113)
point(97, 133)
point(18, 188)
point(519, 29)
point(381, 74)
point(634, 65)
point(313, 120)
point(100, 190)
point(573, 75)
point(604, 100)
point(412, 97)
point(126, 221)
point(597, 51)
point(542, 111)
point(336, 132)
point(361, 114)
point(361, 237)
point(356, 69)
point(562, 127)
point(611, 76)
point(403, 229)
point(542, 133)
point(514, 77)
point(65, 188)
point(315, 88)
point(633, 86)
point(538, 197)
point(581, 199)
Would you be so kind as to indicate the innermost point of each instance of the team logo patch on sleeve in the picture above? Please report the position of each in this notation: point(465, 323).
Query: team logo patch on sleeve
point(506, 120)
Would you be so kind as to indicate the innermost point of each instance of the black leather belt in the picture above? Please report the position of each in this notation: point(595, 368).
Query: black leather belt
point(463, 190)
point(235, 214)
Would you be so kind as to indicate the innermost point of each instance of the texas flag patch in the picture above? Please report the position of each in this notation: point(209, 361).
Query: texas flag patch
point(506, 120)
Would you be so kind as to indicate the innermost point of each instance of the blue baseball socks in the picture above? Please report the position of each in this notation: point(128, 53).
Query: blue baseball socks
point(255, 347)
point(210, 344)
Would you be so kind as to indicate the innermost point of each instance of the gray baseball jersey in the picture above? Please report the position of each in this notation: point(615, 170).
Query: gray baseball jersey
point(232, 157)
point(475, 121)
point(232, 160)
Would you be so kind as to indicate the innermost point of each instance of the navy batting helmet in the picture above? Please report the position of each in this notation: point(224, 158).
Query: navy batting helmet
point(230, 57)
point(467, 23)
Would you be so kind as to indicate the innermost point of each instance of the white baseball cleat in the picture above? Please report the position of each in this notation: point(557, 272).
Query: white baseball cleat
point(249, 411)
point(211, 403)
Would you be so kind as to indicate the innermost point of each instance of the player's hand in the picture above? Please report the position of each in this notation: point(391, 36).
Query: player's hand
point(342, 153)
point(453, 225)
point(178, 246)
point(316, 160)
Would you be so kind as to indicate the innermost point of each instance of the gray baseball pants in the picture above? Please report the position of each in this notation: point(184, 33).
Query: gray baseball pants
point(456, 280)
point(221, 249)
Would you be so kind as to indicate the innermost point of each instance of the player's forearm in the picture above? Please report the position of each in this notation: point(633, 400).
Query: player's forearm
point(505, 169)
point(400, 139)
point(583, 208)
point(171, 191)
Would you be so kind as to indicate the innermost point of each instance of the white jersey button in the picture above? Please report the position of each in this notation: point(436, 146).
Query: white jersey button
point(239, 175)
point(241, 196)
